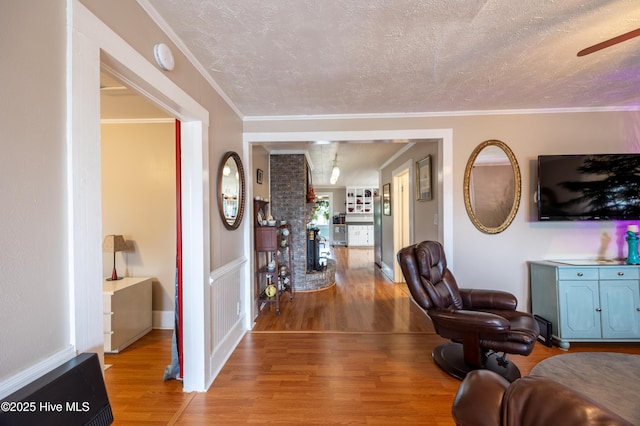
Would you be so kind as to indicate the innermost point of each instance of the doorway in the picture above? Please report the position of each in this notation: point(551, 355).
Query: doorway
point(323, 214)
point(94, 45)
point(442, 137)
point(402, 187)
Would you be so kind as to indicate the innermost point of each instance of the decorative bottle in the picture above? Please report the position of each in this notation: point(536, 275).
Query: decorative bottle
point(632, 240)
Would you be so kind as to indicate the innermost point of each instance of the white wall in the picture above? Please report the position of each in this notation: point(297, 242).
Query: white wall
point(139, 202)
point(34, 278)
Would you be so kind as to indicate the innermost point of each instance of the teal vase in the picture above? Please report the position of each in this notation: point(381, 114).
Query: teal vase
point(632, 240)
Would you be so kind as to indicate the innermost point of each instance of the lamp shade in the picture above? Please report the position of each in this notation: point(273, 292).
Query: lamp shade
point(114, 243)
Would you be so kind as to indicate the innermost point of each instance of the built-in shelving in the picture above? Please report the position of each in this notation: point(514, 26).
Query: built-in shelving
point(359, 200)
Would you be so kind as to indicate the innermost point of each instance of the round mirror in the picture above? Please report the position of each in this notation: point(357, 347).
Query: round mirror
point(492, 187)
point(231, 190)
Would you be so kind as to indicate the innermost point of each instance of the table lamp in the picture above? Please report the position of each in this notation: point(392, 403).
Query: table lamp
point(114, 243)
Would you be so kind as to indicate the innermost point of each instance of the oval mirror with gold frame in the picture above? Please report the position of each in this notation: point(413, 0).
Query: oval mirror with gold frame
point(231, 190)
point(492, 187)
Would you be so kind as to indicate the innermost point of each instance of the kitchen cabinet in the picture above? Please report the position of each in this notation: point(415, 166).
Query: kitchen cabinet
point(587, 301)
point(360, 235)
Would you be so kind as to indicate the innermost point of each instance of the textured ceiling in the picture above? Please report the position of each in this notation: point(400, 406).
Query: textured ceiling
point(272, 58)
point(311, 57)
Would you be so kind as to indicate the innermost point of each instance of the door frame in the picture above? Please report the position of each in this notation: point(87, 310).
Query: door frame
point(92, 45)
point(398, 220)
point(444, 174)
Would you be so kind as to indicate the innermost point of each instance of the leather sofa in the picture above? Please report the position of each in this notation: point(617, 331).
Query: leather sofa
point(484, 398)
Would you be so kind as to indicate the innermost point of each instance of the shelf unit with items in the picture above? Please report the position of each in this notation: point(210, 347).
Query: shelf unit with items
point(360, 199)
point(273, 267)
point(284, 260)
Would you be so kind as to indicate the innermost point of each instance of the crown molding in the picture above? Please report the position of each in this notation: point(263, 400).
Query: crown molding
point(442, 113)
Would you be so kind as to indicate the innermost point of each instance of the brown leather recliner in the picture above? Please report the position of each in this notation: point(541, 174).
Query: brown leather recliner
point(486, 399)
point(480, 323)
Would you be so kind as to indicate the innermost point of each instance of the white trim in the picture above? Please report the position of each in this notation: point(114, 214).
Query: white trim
point(84, 204)
point(387, 270)
point(442, 113)
point(397, 155)
point(228, 267)
point(344, 135)
point(445, 202)
point(408, 168)
point(196, 331)
point(18, 381)
point(167, 120)
point(90, 37)
point(225, 349)
point(163, 320)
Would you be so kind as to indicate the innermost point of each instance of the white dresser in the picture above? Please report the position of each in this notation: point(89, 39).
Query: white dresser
point(126, 311)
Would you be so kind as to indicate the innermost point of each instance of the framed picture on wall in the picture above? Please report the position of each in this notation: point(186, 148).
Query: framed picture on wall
point(386, 199)
point(259, 176)
point(423, 178)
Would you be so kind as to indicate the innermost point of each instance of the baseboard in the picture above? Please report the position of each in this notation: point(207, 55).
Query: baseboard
point(387, 271)
point(224, 350)
point(12, 384)
point(163, 320)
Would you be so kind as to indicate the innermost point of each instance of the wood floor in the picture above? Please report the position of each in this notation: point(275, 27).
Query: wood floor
point(356, 353)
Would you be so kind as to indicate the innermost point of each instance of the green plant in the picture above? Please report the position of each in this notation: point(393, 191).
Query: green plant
point(322, 210)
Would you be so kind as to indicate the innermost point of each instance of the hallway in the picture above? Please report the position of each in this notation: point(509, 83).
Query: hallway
point(362, 300)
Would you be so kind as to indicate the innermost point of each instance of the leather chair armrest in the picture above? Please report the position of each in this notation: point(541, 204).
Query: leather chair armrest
point(479, 399)
point(482, 323)
point(487, 299)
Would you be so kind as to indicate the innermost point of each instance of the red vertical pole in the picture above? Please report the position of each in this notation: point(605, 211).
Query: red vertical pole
point(179, 244)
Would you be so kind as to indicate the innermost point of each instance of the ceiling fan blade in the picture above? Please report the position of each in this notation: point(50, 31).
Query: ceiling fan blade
point(610, 42)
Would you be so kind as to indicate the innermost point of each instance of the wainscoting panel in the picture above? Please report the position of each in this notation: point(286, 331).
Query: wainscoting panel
point(227, 312)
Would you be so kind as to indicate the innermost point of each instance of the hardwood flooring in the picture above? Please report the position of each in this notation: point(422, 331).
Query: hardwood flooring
point(356, 353)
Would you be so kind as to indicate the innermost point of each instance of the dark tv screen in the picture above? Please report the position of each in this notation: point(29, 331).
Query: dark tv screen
point(589, 187)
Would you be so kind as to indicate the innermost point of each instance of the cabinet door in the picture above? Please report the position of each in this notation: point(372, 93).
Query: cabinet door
point(579, 306)
point(351, 233)
point(620, 300)
point(368, 234)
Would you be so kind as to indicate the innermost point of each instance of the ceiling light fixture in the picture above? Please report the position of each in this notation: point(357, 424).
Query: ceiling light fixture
point(335, 172)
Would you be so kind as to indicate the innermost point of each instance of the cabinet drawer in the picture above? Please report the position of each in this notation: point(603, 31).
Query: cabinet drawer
point(578, 273)
point(615, 273)
point(106, 322)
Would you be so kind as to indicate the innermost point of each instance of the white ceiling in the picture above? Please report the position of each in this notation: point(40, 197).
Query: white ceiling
point(351, 57)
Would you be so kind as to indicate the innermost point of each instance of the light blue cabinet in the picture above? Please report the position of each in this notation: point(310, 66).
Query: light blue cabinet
point(587, 302)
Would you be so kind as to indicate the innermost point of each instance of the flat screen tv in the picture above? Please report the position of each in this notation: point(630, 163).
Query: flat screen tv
point(588, 187)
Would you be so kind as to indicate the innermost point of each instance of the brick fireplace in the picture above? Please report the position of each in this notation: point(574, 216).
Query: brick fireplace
point(288, 179)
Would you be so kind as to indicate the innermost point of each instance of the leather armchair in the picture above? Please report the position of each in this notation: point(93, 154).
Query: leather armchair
point(487, 399)
point(480, 323)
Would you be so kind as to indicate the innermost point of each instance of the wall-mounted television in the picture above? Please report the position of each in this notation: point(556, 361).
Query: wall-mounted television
point(588, 187)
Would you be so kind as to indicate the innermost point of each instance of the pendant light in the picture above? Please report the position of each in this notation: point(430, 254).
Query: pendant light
point(335, 172)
